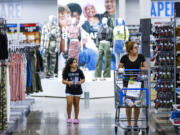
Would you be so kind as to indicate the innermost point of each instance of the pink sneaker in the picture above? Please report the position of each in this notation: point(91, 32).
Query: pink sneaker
point(69, 120)
point(76, 121)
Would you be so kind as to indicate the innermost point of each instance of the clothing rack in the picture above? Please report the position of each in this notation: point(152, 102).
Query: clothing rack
point(21, 48)
point(3, 62)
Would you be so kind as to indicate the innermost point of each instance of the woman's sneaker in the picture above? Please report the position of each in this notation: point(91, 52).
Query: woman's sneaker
point(76, 121)
point(69, 120)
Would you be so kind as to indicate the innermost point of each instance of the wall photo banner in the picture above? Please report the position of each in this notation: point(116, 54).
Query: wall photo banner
point(79, 22)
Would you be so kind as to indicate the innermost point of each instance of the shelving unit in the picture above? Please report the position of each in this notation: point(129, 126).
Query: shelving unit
point(164, 68)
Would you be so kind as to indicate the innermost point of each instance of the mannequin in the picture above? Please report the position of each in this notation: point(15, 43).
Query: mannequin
point(50, 41)
point(74, 38)
point(104, 42)
point(121, 35)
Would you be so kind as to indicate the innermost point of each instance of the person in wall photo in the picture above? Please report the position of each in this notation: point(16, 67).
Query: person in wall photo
point(110, 6)
point(92, 24)
point(64, 21)
point(76, 11)
point(73, 77)
point(74, 38)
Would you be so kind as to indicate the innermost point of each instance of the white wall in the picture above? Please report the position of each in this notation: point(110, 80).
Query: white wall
point(132, 12)
point(31, 11)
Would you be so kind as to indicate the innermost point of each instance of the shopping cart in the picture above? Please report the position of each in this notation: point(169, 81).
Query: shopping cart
point(124, 93)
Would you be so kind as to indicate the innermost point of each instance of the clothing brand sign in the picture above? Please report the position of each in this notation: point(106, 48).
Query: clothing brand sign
point(11, 10)
point(162, 9)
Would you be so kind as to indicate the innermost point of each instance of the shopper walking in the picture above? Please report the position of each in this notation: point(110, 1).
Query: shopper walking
point(73, 77)
point(132, 60)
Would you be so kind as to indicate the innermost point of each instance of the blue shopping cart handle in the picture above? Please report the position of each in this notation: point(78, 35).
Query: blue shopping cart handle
point(134, 89)
point(142, 89)
point(132, 69)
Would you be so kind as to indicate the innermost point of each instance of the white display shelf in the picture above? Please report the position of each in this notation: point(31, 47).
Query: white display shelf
point(175, 107)
point(172, 121)
point(97, 89)
point(178, 92)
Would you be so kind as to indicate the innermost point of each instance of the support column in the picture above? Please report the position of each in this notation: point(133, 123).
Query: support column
point(145, 14)
point(121, 9)
point(145, 8)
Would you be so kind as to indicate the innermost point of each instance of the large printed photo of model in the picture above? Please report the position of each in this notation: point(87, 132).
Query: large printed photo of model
point(87, 34)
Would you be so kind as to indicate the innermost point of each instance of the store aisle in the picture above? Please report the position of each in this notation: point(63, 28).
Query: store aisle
point(48, 117)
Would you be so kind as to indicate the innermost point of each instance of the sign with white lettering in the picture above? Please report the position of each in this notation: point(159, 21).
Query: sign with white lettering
point(11, 10)
point(11, 27)
point(162, 9)
point(29, 27)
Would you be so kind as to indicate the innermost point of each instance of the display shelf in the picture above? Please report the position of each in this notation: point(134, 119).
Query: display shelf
point(160, 111)
point(175, 106)
point(164, 68)
point(96, 89)
point(172, 121)
point(178, 92)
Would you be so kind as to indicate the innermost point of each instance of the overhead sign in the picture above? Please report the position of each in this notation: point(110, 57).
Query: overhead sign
point(11, 27)
point(29, 27)
point(162, 9)
point(11, 10)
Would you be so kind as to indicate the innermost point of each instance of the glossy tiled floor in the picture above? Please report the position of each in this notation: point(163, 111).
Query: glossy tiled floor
point(48, 117)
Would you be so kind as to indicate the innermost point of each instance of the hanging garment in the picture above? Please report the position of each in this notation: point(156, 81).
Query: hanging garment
point(8, 95)
point(3, 98)
point(35, 79)
point(56, 66)
point(39, 66)
point(28, 73)
point(49, 61)
point(17, 76)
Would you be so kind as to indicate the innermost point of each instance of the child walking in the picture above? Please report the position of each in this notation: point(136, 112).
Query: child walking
point(73, 77)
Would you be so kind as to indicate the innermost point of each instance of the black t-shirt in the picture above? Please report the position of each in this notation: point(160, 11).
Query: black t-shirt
point(128, 64)
point(75, 77)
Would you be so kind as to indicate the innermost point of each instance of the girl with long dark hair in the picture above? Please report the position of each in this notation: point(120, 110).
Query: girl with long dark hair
point(73, 77)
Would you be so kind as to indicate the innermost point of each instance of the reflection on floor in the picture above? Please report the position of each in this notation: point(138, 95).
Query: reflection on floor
point(48, 117)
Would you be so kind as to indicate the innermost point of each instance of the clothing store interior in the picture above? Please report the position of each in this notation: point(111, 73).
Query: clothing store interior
point(89, 67)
